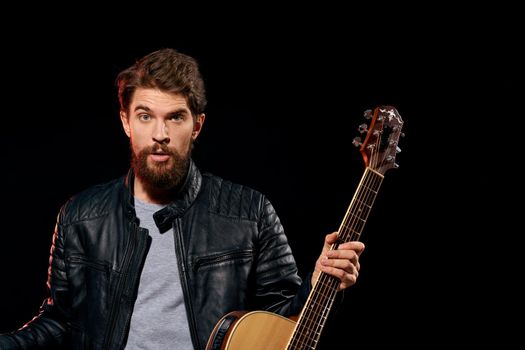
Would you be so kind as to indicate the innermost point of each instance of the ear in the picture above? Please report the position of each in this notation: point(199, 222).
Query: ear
point(125, 123)
point(197, 126)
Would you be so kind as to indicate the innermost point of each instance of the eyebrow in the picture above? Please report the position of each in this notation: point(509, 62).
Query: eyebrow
point(147, 109)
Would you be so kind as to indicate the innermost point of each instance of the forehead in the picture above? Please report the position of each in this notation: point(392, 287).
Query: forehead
point(157, 100)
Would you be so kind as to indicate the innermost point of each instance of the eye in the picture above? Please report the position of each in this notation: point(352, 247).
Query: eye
point(176, 117)
point(144, 117)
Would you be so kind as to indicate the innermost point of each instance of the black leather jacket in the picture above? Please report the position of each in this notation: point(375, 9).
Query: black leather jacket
point(231, 249)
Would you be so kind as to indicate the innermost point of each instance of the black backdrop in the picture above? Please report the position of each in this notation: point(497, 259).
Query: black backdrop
point(283, 109)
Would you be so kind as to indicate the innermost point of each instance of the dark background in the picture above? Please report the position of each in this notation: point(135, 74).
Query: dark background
point(285, 100)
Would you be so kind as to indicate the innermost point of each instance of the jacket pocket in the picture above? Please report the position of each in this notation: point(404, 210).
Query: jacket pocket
point(222, 259)
point(88, 280)
point(94, 264)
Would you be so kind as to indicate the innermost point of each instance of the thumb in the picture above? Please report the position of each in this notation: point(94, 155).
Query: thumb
point(329, 240)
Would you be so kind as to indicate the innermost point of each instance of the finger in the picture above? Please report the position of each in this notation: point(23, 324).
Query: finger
point(342, 264)
point(347, 279)
point(358, 247)
point(350, 255)
point(331, 238)
point(350, 280)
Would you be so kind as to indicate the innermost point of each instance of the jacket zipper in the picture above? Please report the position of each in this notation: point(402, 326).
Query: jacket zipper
point(181, 262)
point(134, 277)
point(219, 258)
point(115, 304)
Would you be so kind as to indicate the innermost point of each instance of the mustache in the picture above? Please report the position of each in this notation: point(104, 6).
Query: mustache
point(158, 149)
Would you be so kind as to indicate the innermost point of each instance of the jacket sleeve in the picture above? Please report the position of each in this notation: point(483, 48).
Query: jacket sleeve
point(279, 287)
point(46, 330)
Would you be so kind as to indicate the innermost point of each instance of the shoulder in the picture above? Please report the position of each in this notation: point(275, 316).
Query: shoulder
point(95, 201)
point(228, 198)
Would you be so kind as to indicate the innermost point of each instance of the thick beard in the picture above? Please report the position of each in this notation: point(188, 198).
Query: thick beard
point(160, 175)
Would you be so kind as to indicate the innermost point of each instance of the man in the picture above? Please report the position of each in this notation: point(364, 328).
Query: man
point(154, 259)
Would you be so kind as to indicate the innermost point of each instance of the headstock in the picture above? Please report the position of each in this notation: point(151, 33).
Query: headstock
point(380, 147)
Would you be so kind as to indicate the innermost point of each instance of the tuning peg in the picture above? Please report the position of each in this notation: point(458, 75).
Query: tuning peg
point(368, 114)
point(402, 134)
point(363, 128)
point(357, 141)
point(396, 165)
point(398, 150)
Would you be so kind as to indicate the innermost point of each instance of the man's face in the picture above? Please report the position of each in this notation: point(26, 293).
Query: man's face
point(161, 131)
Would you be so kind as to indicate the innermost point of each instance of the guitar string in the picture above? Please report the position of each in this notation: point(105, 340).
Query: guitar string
point(329, 284)
point(358, 216)
point(359, 212)
point(364, 204)
point(301, 336)
point(326, 283)
point(347, 233)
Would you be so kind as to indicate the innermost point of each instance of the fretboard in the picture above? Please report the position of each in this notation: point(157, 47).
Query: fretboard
point(311, 322)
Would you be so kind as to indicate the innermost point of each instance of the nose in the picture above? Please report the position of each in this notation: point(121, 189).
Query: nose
point(160, 133)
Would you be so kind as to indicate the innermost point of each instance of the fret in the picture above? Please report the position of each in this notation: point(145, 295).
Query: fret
point(370, 189)
point(306, 342)
point(351, 229)
point(319, 306)
point(363, 203)
point(324, 295)
point(321, 281)
point(357, 217)
point(305, 345)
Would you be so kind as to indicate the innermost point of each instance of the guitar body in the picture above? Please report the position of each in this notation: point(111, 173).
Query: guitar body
point(257, 330)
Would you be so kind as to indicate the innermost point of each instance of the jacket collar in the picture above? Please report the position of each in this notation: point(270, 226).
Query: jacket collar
point(183, 200)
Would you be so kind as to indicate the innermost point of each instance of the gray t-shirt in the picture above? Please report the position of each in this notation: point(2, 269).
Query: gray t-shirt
point(159, 318)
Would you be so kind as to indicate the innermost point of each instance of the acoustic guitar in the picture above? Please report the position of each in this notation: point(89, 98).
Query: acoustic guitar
point(261, 330)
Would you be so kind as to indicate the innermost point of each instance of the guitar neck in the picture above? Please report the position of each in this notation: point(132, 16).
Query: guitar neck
point(320, 301)
point(360, 207)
